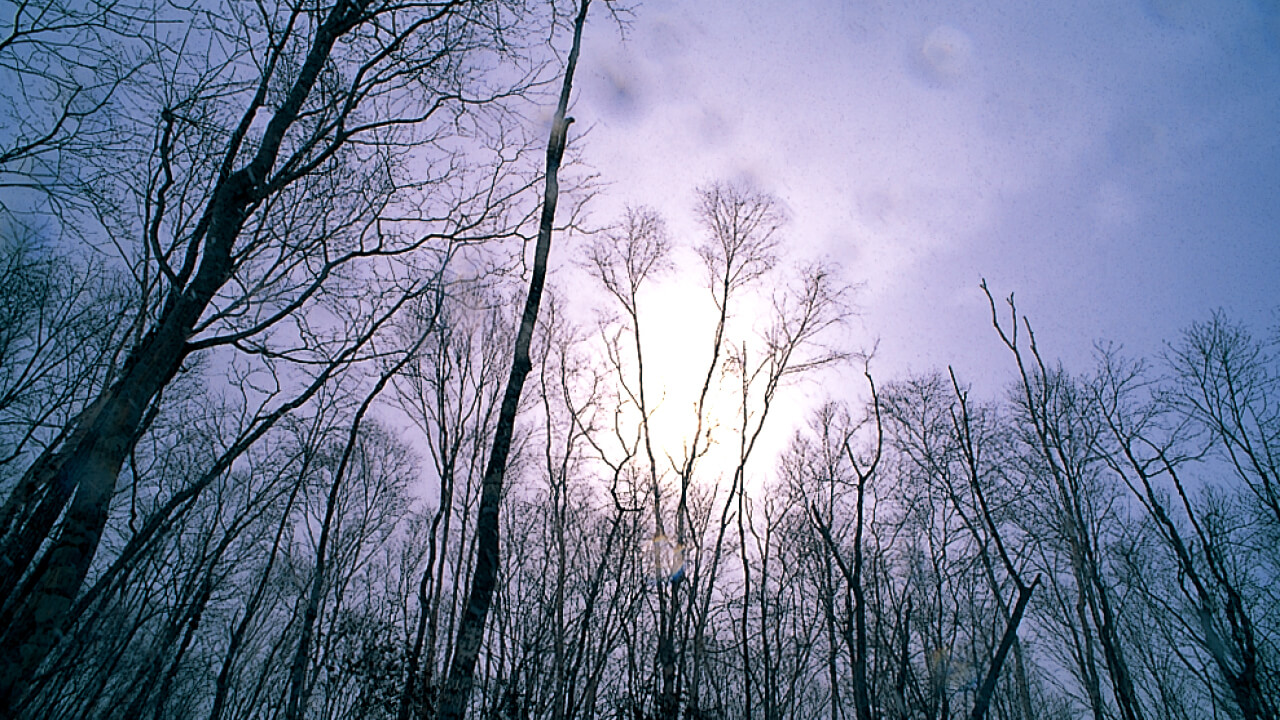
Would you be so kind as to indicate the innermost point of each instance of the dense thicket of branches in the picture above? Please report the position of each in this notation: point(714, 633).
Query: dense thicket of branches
point(255, 321)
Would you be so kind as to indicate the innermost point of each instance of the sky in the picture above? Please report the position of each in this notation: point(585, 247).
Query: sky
point(1114, 164)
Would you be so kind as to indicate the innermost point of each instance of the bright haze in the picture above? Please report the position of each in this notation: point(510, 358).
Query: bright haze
point(1116, 165)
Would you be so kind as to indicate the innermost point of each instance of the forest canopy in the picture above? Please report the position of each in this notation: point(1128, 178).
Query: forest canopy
point(261, 271)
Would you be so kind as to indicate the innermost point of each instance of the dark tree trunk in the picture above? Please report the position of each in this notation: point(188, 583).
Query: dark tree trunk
point(1010, 636)
point(457, 689)
point(90, 463)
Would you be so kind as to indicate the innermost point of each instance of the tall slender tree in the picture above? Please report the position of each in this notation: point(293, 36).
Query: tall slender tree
point(457, 689)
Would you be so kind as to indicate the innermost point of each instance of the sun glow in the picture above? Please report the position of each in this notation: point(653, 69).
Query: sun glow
point(678, 320)
point(704, 386)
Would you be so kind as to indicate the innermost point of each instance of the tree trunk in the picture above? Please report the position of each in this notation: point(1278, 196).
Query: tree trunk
point(457, 689)
point(93, 461)
point(1010, 636)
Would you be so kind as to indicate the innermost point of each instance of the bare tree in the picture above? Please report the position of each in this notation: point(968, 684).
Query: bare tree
point(814, 463)
point(457, 689)
point(853, 569)
point(963, 425)
point(451, 393)
point(59, 330)
point(277, 174)
point(1226, 381)
point(959, 449)
point(1061, 433)
point(65, 67)
point(1150, 448)
point(737, 254)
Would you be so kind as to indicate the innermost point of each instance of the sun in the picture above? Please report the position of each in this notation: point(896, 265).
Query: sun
point(678, 320)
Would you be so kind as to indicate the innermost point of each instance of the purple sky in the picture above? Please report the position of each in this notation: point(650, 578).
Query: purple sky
point(1115, 164)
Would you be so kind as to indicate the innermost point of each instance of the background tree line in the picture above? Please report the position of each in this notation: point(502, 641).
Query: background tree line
point(255, 322)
